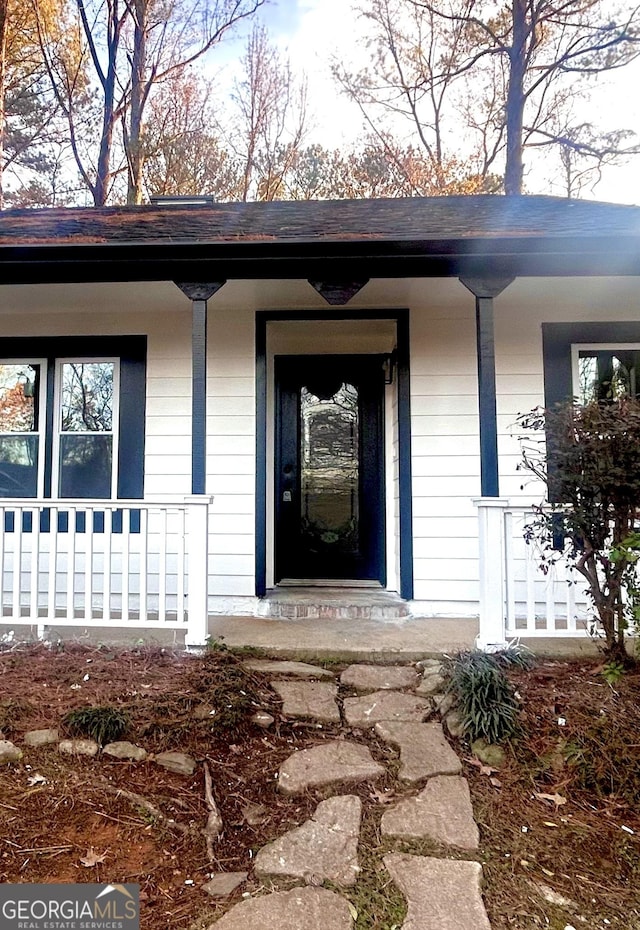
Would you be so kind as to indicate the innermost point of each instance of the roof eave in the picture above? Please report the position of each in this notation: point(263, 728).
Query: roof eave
point(344, 259)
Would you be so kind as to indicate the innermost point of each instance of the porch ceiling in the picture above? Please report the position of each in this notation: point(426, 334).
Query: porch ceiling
point(329, 240)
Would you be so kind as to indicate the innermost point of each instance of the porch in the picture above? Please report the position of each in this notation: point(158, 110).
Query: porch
point(460, 300)
point(141, 568)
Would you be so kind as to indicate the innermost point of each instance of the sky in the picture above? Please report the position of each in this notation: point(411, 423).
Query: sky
point(313, 31)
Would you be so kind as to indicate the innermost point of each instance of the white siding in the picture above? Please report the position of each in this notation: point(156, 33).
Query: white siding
point(231, 459)
point(444, 405)
point(445, 450)
point(446, 464)
point(158, 311)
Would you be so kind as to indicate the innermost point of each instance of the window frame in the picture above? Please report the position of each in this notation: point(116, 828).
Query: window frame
point(42, 399)
point(578, 347)
point(558, 340)
point(58, 432)
point(130, 355)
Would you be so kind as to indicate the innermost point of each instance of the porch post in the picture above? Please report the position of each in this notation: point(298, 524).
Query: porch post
point(490, 506)
point(197, 550)
point(491, 635)
point(485, 289)
point(199, 293)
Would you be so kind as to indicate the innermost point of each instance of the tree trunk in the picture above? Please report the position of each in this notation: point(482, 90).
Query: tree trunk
point(4, 18)
point(134, 136)
point(514, 171)
point(103, 170)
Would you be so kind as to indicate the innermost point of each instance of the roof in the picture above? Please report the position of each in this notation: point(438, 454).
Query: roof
point(385, 237)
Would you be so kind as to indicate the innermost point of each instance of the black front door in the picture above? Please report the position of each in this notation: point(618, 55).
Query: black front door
point(329, 489)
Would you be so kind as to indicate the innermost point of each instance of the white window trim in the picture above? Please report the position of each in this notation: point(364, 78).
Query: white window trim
point(42, 412)
point(57, 420)
point(578, 347)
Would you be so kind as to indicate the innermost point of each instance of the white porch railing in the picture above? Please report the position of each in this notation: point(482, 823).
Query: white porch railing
point(105, 564)
point(516, 597)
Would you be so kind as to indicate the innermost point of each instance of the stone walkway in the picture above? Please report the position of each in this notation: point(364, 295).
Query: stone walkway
point(442, 891)
point(402, 707)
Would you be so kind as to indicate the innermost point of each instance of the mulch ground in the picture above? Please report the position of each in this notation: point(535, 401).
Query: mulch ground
point(579, 745)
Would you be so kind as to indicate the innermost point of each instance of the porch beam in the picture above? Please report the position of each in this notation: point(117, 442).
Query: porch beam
point(484, 290)
point(199, 293)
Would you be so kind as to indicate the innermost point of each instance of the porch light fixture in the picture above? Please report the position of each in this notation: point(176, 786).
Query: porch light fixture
point(388, 365)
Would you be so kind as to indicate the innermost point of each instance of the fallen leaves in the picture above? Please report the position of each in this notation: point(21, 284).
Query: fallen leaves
point(36, 779)
point(487, 770)
point(92, 858)
point(254, 814)
point(482, 768)
point(556, 799)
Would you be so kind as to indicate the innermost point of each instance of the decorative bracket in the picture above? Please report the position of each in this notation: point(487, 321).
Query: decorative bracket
point(338, 292)
point(199, 290)
point(486, 287)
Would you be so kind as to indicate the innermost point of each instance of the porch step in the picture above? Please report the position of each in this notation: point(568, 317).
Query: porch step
point(324, 603)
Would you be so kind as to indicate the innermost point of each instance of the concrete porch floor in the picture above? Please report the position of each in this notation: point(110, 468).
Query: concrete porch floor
point(359, 639)
point(354, 639)
point(370, 640)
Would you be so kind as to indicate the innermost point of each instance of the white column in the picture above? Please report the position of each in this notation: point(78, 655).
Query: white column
point(492, 573)
point(197, 547)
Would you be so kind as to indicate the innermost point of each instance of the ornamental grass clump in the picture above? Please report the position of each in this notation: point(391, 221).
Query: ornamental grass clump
point(484, 696)
point(103, 724)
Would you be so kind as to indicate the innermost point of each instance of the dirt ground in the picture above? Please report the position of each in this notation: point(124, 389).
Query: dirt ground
point(560, 817)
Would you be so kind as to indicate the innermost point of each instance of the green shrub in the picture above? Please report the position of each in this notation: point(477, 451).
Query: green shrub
point(589, 464)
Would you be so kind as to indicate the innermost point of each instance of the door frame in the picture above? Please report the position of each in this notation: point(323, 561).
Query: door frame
point(405, 515)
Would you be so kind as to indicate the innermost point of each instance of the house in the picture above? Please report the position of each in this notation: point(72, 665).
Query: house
point(204, 405)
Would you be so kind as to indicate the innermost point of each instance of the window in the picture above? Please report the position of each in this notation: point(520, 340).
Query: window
point(587, 360)
point(605, 372)
point(86, 429)
point(72, 422)
point(21, 399)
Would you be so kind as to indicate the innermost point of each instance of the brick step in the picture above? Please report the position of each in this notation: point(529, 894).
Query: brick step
point(324, 603)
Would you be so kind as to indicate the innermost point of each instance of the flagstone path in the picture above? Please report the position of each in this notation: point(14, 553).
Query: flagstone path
point(399, 705)
point(441, 892)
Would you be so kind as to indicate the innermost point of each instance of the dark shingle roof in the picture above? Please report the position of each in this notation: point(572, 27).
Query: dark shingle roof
point(416, 219)
point(331, 241)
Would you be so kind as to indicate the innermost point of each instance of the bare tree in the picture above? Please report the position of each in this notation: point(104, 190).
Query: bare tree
point(181, 154)
point(91, 112)
point(377, 167)
point(583, 152)
point(27, 111)
point(126, 48)
point(414, 79)
point(271, 115)
point(167, 37)
point(498, 75)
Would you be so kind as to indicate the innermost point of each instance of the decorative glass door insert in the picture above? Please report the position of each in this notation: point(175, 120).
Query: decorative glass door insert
point(329, 482)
